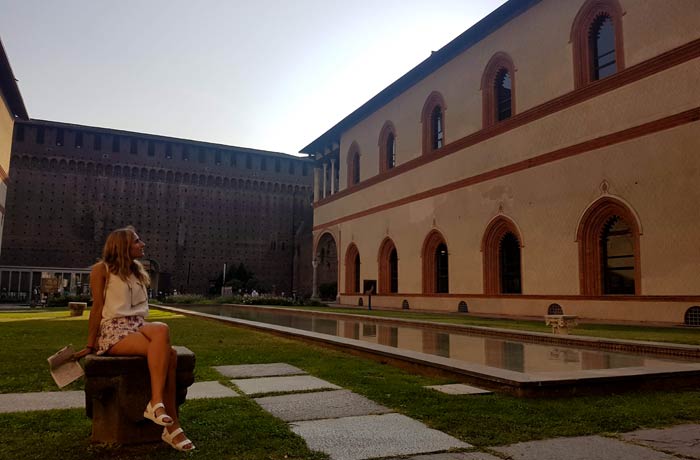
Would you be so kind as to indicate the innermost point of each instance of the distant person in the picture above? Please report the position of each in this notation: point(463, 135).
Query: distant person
point(119, 284)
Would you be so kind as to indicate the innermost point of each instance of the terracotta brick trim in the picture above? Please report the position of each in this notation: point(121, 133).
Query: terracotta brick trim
point(498, 62)
point(3, 175)
point(662, 124)
point(430, 245)
point(353, 153)
point(580, 32)
point(490, 247)
point(387, 129)
point(385, 249)
point(350, 260)
point(434, 99)
point(588, 237)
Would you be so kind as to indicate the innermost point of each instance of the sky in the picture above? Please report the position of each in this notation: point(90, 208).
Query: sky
point(265, 74)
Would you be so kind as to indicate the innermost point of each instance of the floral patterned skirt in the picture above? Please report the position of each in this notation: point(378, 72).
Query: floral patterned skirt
point(115, 329)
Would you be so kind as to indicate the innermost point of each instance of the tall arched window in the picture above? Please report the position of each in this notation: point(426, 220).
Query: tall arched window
point(435, 264)
point(608, 238)
point(388, 268)
point(387, 147)
point(498, 89)
point(596, 37)
point(353, 165)
point(352, 270)
point(501, 247)
point(433, 121)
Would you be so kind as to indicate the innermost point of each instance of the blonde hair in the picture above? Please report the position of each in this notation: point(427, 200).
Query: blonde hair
point(117, 256)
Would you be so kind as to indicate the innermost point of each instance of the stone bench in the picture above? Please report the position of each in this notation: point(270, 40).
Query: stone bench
point(561, 323)
point(117, 389)
point(77, 308)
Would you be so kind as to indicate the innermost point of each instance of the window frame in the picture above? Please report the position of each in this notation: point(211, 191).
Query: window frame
point(589, 13)
point(498, 63)
point(434, 100)
point(384, 155)
point(495, 231)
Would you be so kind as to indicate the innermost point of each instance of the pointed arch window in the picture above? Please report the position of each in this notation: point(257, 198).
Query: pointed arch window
point(387, 147)
point(388, 268)
point(597, 39)
point(352, 270)
point(498, 89)
point(353, 165)
point(501, 247)
point(433, 121)
point(609, 260)
point(436, 272)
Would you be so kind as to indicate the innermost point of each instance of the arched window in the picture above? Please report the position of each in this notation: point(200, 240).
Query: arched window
point(497, 88)
point(501, 248)
point(353, 165)
point(433, 121)
point(596, 37)
point(435, 264)
point(608, 238)
point(388, 268)
point(352, 270)
point(387, 147)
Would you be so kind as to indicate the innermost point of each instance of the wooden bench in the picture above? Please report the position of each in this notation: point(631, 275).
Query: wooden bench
point(561, 324)
point(117, 389)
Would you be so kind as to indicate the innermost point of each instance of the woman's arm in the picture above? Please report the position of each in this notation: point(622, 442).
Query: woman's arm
point(98, 278)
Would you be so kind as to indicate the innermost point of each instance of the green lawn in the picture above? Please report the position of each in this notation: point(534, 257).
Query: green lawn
point(236, 428)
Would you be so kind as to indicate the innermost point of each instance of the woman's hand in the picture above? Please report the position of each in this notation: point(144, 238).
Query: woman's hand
point(82, 353)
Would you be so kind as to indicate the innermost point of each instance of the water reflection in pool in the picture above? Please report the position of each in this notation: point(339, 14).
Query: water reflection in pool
point(504, 354)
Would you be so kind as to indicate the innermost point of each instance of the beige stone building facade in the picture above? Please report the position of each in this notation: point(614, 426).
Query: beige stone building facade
point(545, 160)
point(11, 108)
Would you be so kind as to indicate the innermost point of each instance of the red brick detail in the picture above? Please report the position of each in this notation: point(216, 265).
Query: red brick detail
point(580, 30)
point(490, 245)
point(499, 61)
point(433, 101)
point(588, 237)
point(432, 241)
point(384, 285)
point(350, 259)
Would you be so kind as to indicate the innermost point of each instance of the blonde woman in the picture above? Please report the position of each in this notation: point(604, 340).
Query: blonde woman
point(117, 327)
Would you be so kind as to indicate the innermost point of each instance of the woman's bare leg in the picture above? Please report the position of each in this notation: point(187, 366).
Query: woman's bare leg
point(153, 342)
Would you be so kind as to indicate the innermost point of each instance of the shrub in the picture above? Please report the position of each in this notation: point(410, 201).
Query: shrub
point(62, 301)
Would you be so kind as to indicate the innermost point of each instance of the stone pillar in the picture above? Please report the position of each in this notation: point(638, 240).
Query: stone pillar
point(325, 177)
point(316, 196)
point(332, 176)
point(314, 280)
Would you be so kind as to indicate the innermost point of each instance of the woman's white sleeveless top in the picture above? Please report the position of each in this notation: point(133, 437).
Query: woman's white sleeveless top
point(124, 298)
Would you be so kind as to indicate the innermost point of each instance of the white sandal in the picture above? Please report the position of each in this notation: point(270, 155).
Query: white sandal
point(150, 414)
point(168, 437)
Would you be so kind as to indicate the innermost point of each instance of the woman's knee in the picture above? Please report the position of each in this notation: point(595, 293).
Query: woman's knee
point(157, 331)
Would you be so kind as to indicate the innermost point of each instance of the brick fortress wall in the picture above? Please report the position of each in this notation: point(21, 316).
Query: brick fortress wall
point(196, 205)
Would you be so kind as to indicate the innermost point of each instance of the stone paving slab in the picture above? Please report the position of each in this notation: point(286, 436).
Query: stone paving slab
point(282, 384)
point(459, 389)
point(451, 456)
point(258, 370)
point(314, 406)
point(580, 448)
point(370, 436)
point(681, 440)
point(22, 402)
point(203, 390)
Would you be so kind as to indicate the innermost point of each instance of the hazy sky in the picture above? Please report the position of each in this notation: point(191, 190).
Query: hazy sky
point(266, 74)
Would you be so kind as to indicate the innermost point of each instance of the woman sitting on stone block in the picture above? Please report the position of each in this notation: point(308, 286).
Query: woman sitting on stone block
point(120, 303)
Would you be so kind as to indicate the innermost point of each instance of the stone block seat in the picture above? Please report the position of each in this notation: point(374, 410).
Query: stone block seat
point(117, 389)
